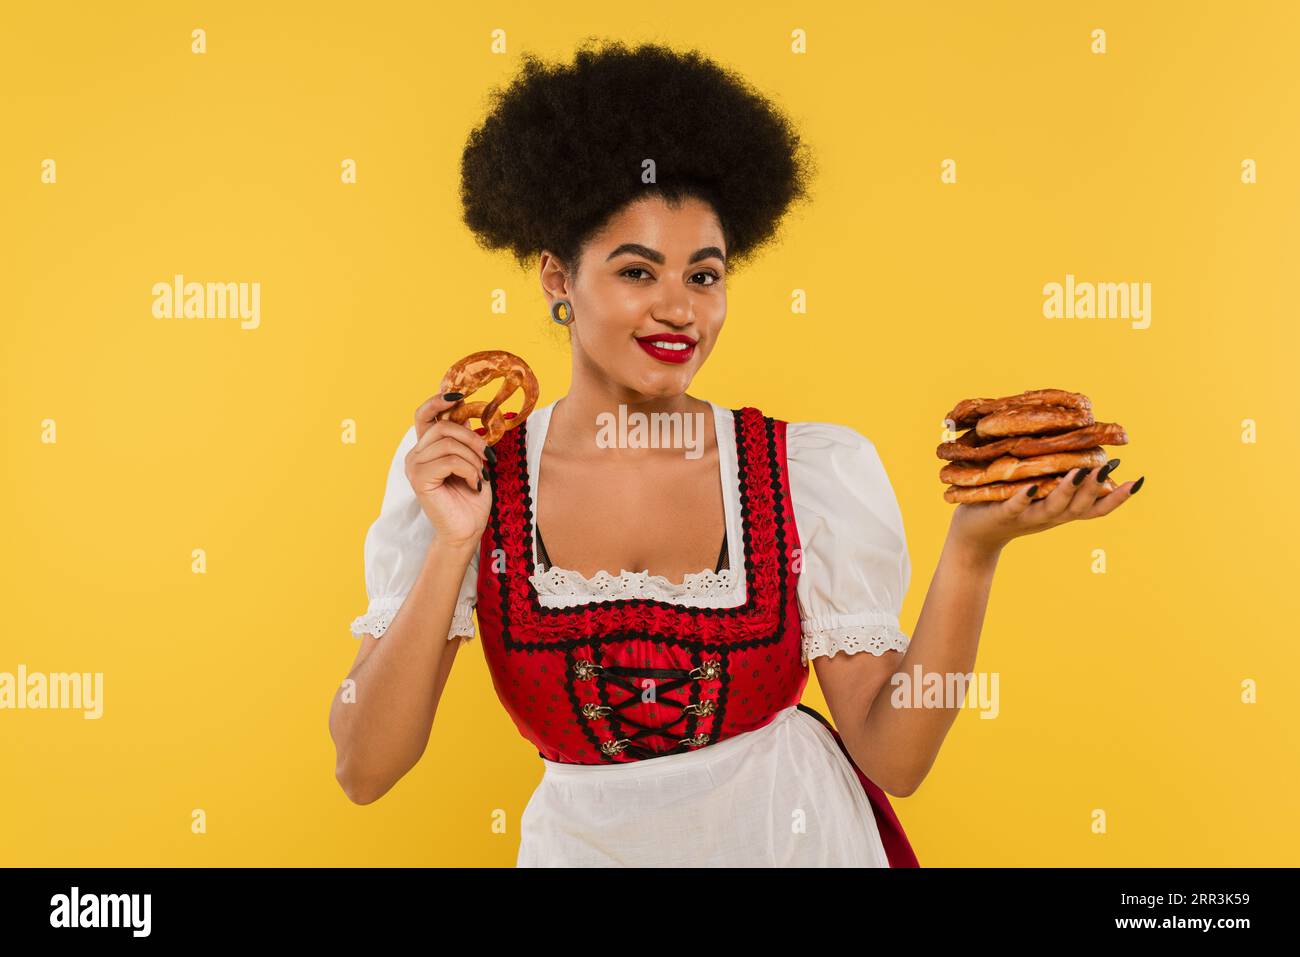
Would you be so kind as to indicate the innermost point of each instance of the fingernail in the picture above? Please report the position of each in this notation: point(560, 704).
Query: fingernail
point(483, 471)
point(1137, 485)
point(1081, 475)
point(1106, 470)
point(491, 454)
point(1032, 490)
point(480, 486)
point(453, 396)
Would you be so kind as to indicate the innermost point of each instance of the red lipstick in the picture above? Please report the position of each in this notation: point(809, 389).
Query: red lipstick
point(667, 352)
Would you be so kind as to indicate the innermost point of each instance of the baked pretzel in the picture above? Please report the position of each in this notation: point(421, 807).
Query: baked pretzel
point(1032, 420)
point(972, 447)
point(1001, 491)
point(1010, 469)
point(969, 411)
point(475, 371)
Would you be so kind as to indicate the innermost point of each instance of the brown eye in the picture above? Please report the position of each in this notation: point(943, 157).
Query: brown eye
point(632, 269)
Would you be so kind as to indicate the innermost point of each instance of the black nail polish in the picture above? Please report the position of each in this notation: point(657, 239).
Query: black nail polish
point(1032, 490)
point(480, 486)
point(453, 396)
point(1137, 485)
point(491, 454)
point(1081, 475)
point(1106, 470)
point(483, 471)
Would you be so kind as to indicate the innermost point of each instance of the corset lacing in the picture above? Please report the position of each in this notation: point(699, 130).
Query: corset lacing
point(711, 669)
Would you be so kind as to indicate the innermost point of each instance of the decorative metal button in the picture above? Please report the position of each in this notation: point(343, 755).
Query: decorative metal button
point(593, 710)
point(585, 669)
point(705, 707)
point(696, 741)
point(612, 747)
point(711, 669)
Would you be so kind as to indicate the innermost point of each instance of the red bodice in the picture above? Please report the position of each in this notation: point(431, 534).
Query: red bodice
point(627, 679)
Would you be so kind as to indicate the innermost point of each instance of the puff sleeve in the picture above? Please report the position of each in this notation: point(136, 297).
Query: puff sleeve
point(396, 545)
point(856, 568)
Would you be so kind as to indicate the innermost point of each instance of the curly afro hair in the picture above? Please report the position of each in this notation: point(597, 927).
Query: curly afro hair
point(563, 149)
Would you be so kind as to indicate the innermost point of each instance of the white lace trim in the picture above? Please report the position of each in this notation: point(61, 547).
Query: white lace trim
point(875, 637)
point(382, 611)
point(696, 590)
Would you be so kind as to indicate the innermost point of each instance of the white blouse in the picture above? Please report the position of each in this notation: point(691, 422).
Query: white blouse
point(728, 802)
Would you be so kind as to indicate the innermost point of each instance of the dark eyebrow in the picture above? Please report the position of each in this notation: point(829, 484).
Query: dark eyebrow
point(655, 256)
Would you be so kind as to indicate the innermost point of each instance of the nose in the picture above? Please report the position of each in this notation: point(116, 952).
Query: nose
point(675, 310)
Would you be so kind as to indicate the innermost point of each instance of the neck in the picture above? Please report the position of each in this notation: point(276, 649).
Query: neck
point(577, 416)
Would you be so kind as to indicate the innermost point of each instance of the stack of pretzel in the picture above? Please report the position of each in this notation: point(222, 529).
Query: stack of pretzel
point(1034, 438)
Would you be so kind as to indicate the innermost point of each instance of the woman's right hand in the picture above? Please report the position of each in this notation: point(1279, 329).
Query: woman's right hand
point(446, 469)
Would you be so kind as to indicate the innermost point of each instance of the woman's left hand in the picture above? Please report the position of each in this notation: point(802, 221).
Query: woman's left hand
point(990, 525)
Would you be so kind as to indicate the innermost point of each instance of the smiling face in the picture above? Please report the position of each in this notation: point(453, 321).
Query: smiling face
point(650, 296)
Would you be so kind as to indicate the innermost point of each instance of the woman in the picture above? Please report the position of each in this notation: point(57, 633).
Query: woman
point(655, 642)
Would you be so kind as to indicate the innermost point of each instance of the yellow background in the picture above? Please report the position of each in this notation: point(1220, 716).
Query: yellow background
point(1118, 691)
